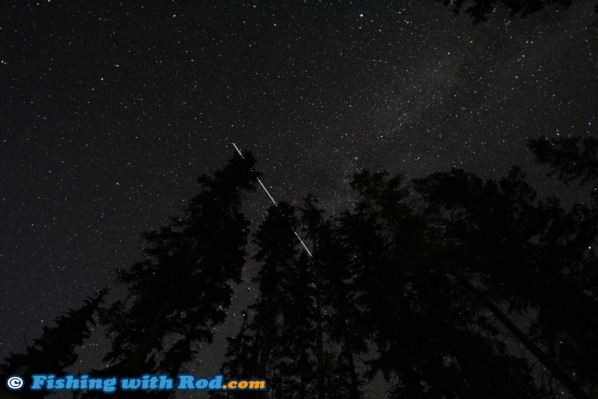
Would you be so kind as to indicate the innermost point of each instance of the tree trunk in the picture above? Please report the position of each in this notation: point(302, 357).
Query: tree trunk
point(321, 386)
point(266, 328)
point(556, 371)
point(354, 389)
point(302, 367)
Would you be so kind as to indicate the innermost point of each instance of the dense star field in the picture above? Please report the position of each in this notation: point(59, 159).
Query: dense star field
point(110, 111)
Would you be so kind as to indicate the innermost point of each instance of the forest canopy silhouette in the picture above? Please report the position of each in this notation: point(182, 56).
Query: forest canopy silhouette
point(480, 10)
point(447, 286)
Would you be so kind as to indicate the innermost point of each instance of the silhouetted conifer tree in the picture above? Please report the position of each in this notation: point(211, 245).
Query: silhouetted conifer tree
point(430, 334)
point(571, 159)
point(479, 10)
point(277, 340)
point(54, 351)
point(526, 254)
point(340, 324)
point(294, 323)
point(567, 322)
point(183, 289)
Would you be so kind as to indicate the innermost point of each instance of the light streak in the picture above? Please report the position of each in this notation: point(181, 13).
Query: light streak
point(275, 204)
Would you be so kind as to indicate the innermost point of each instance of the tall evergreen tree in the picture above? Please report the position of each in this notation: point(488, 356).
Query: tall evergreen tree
point(336, 309)
point(567, 323)
point(420, 274)
point(184, 288)
point(526, 254)
point(55, 350)
point(275, 342)
point(303, 333)
point(430, 334)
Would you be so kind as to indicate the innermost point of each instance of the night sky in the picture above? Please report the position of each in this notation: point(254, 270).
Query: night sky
point(108, 113)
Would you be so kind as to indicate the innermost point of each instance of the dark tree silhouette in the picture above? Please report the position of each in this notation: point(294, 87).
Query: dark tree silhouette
point(526, 254)
point(431, 335)
point(185, 286)
point(274, 344)
point(569, 158)
point(479, 10)
point(338, 319)
point(414, 277)
point(312, 217)
point(299, 334)
point(55, 350)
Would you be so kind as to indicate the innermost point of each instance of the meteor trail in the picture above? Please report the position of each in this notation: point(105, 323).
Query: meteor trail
point(274, 202)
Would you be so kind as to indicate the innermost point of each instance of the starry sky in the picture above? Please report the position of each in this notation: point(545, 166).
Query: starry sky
point(109, 111)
